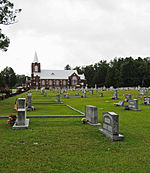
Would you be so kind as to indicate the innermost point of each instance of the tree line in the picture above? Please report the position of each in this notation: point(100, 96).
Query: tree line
point(121, 72)
point(9, 79)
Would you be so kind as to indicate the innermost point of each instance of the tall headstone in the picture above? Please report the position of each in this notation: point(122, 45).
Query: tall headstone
point(42, 91)
point(21, 122)
point(95, 86)
point(133, 105)
point(21, 103)
point(115, 94)
point(29, 102)
point(91, 115)
point(111, 126)
point(84, 94)
point(58, 98)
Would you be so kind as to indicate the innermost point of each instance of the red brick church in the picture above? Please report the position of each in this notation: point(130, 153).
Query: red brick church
point(54, 78)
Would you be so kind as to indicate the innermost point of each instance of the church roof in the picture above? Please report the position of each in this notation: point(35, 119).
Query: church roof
point(57, 74)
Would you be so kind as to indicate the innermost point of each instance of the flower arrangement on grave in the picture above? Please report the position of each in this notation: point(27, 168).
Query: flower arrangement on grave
point(126, 107)
point(12, 120)
point(84, 120)
point(126, 99)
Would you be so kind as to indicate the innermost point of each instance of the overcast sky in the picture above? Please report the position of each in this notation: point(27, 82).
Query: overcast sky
point(76, 32)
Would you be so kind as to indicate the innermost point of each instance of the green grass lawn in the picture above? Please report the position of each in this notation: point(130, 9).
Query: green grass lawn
point(60, 145)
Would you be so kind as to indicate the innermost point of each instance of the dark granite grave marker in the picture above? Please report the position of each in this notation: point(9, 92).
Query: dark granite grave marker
point(133, 105)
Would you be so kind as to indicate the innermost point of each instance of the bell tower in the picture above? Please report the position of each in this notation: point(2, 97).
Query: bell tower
point(35, 69)
point(36, 66)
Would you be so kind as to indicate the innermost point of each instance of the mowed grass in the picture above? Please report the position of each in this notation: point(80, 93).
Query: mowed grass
point(60, 145)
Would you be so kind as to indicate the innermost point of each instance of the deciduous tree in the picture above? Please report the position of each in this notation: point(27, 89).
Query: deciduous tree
point(7, 17)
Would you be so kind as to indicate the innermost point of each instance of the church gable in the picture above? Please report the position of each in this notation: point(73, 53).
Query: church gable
point(74, 79)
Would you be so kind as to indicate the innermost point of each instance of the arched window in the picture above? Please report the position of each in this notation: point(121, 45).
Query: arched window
point(36, 68)
point(50, 82)
point(43, 82)
point(64, 82)
point(74, 80)
point(57, 82)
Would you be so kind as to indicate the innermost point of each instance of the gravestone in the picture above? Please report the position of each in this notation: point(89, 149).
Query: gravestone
point(147, 100)
point(95, 86)
point(45, 94)
point(67, 96)
point(77, 94)
point(21, 103)
point(29, 102)
point(65, 90)
point(42, 91)
point(90, 91)
point(84, 94)
point(21, 122)
point(143, 91)
point(115, 94)
point(36, 89)
point(133, 105)
point(111, 126)
point(120, 103)
point(58, 98)
point(128, 96)
point(101, 95)
point(91, 115)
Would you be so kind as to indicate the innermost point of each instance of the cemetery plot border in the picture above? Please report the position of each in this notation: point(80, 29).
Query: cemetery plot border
point(48, 116)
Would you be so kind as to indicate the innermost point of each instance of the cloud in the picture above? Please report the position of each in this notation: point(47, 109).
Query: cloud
point(77, 32)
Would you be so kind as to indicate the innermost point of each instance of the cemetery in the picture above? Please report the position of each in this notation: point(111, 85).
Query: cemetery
point(55, 133)
point(68, 115)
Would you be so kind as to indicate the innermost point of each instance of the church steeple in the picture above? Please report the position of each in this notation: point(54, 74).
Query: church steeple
point(35, 70)
point(35, 67)
point(35, 58)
